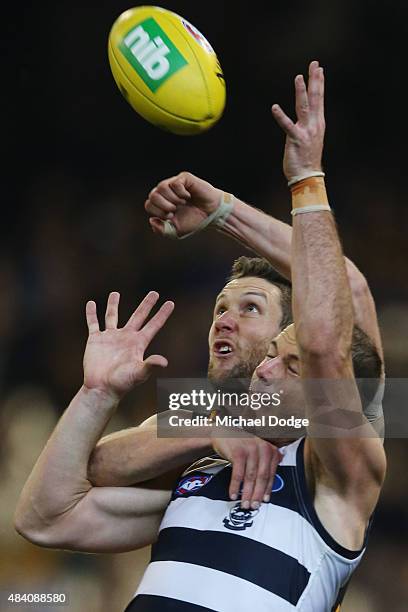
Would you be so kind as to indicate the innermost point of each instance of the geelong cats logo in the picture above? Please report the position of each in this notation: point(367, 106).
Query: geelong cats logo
point(239, 518)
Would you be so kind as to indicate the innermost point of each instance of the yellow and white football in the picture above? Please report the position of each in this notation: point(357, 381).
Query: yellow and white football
point(166, 70)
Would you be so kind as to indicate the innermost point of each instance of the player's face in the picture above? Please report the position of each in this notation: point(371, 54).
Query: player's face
point(246, 317)
point(280, 367)
point(279, 372)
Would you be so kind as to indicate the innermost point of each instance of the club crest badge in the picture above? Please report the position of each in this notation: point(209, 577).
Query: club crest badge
point(239, 518)
point(191, 484)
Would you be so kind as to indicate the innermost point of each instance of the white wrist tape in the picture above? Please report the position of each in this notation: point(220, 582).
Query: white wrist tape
point(301, 177)
point(308, 209)
point(218, 218)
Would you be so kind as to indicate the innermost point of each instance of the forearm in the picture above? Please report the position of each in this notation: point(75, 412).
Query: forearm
point(321, 294)
point(323, 316)
point(324, 322)
point(272, 239)
point(59, 478)
point(137, 455)
point(267, 236)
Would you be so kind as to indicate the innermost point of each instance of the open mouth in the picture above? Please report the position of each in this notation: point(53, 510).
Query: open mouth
point(223, 349)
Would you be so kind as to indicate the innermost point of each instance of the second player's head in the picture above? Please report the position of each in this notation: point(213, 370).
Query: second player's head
point(251, 309)
point(280, 369)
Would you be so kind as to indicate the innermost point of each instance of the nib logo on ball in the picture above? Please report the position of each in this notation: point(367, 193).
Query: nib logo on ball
point(151, 53)
point(166, 70)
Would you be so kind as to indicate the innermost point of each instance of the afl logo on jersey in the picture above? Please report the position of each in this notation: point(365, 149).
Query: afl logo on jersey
point(191, 484)
point(278, 484)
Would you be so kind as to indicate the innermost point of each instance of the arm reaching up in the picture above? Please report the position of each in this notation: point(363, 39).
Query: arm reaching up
point(346, 471)
point(58, 506)
point(185, 202)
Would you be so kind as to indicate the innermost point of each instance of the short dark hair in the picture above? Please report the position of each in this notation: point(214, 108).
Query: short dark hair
point(260, 267)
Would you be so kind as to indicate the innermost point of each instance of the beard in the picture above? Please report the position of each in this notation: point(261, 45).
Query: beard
point(241, 370)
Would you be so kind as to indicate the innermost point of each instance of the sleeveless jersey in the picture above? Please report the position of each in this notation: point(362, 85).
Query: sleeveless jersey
point(213, 556)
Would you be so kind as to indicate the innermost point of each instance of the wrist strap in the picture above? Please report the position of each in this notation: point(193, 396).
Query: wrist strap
point(309, 195)
point(218, 218)
point(311, 208)
point(306, 175)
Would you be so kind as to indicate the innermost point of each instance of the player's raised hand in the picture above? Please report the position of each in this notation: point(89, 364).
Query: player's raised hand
point(114, 359)
point(304, 139)
point(254, 462)
point(183, 200)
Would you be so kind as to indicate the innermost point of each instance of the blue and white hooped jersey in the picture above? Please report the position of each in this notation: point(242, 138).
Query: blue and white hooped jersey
point(212, 556)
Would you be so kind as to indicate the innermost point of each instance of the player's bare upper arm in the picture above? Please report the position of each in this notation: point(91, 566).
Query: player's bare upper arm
point(109, 519)
point(114, 519)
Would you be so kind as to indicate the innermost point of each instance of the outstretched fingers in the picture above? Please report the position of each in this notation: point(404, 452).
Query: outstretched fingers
point(141, 313)
point(301, 99)
point(309, 101)
point(316, 89)
point(156, 323)
point(284, 121)
point(111, 314)
point(91, 317)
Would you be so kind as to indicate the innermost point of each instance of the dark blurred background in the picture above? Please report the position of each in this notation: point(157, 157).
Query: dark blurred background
point(80, 165)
